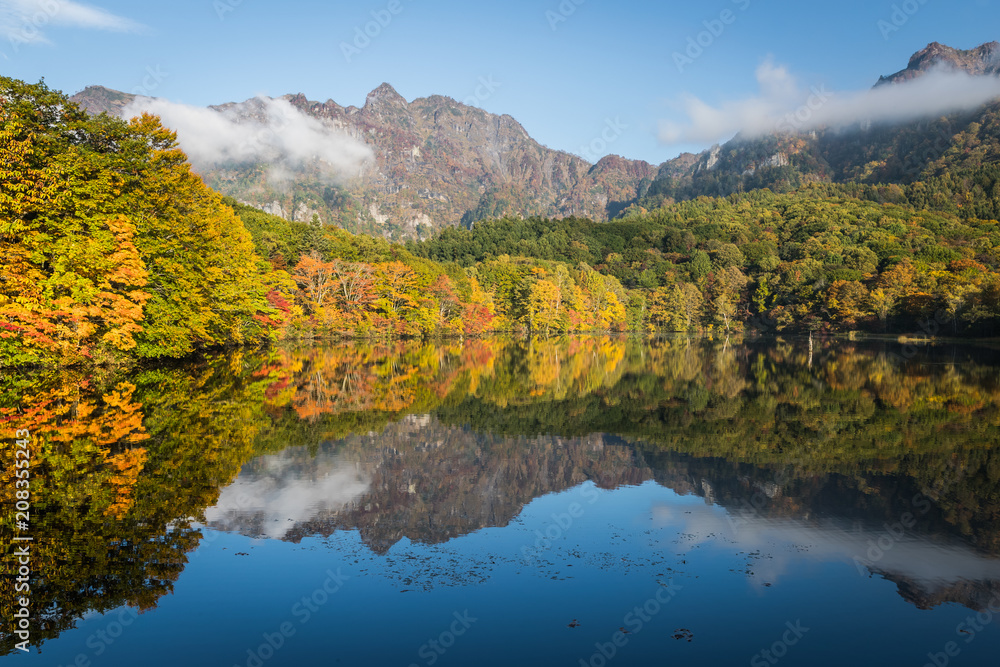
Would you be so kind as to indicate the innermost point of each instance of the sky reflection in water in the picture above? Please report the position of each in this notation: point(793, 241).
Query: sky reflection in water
point(595, 500)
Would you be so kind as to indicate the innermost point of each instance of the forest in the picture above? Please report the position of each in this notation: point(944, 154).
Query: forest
point(812, 259)
point(112, 250)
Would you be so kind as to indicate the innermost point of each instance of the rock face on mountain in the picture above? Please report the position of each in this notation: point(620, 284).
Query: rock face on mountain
point(984, 59)
point(429, 482)
point(439, 162)
point(418, 479)
point(98, 100)
point(868, 153)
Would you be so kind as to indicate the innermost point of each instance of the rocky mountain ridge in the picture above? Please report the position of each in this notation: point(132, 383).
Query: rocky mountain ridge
point(984, 59)
point(429, 482)
point(439, 162)
point(875, 154)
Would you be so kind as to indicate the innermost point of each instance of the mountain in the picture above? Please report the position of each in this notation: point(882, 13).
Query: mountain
point(440, 163)
point(98, 99)
point(984, 59)
point(865, 153)
point(429, 482)
point(388, 484)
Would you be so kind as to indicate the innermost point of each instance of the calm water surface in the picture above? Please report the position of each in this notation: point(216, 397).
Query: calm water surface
point(581, 501)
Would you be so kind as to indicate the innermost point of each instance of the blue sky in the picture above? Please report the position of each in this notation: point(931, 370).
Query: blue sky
point(567, 70)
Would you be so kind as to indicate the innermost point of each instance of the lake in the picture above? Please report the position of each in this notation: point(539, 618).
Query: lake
point(574, 501)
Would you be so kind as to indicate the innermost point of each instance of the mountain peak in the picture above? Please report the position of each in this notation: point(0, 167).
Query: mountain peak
point(984, 59)
point(99, 99)
point(96, 89)
point(385, 94)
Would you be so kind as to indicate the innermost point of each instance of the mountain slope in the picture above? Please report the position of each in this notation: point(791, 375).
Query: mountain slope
point(869, 153)
point(437, 163)
point(984, 59)
point(440, 163)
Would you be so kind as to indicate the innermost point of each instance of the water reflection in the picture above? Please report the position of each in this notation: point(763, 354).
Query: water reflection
point(797, 453)
point(275, 494)
point(929, 568)
point(429, 482)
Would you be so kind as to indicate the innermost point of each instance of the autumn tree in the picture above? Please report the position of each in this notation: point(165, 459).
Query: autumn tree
point(449, 310)
point(205, 279)
point(848, 301)
point(727, 294)
point(881, 303)
point(396, 287)
point(545, 307)
point(315, 278)
point(111, 245)
point(666, 309)
point(354, 284)
point(72, 275)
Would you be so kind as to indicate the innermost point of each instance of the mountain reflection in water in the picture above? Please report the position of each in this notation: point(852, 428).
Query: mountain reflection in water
point(847, 453)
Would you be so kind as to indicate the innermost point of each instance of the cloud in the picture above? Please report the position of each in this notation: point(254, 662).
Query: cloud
point(262, 130)
point(783, 105)
point(23, 21)
point(933, 562)
point(279, 492)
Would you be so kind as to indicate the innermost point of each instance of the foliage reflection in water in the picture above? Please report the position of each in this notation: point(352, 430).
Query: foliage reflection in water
point(745, 480)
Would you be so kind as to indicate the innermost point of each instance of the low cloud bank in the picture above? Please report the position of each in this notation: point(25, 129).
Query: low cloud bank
point(784, 105)
point(264, 130)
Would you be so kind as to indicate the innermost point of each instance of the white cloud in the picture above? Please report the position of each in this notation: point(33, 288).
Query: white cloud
point(783, 105)
point(933, 562)
point(279, 492)
point(263, 130)
point(24, 21)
